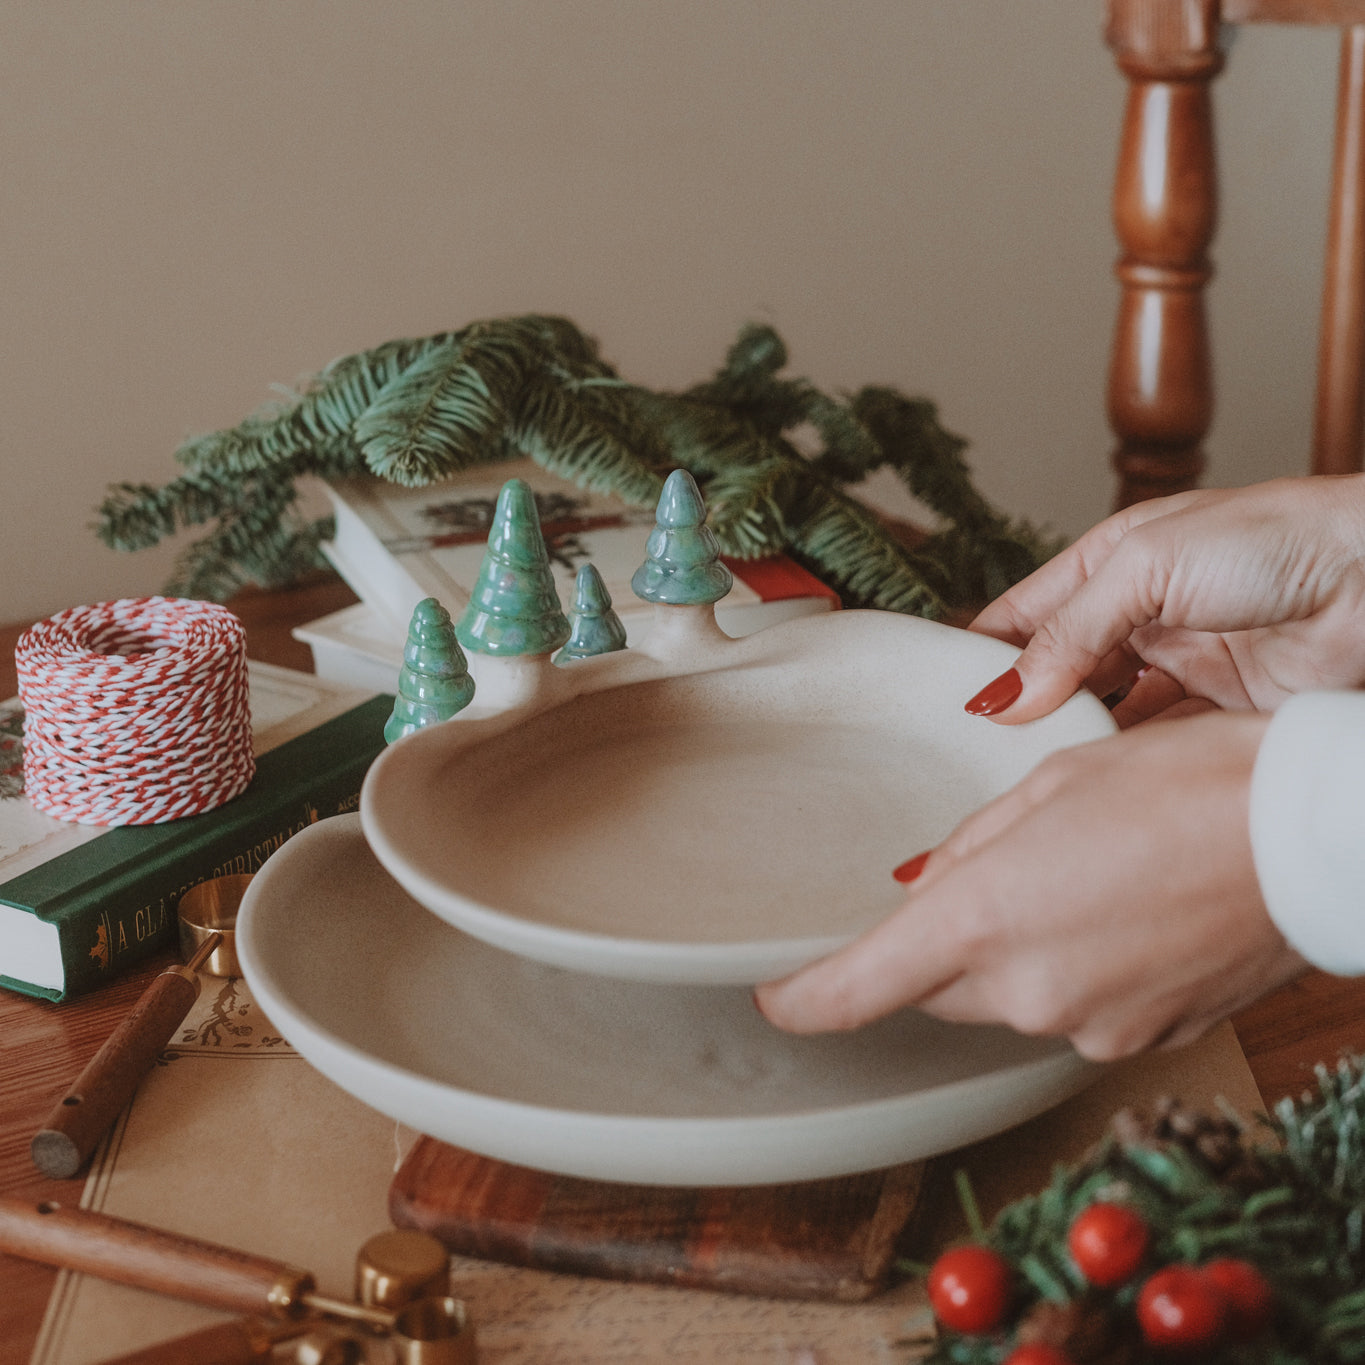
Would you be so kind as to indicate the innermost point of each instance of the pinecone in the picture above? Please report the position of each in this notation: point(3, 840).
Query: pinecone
point(1216, 1141)
point(1086, 1329)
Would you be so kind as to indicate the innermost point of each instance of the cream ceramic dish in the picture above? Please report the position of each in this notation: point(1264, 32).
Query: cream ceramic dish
point(596, 1077)
point(702, 809)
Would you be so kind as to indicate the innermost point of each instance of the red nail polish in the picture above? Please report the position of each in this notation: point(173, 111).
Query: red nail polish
point(912, 867)
point(997, 696)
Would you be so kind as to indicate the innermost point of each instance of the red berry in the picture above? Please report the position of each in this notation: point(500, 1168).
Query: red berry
point(1181, 1307)
point(1250, 1299)
point(1036, 1353)
point(1107, 1242)
point(969, 1288)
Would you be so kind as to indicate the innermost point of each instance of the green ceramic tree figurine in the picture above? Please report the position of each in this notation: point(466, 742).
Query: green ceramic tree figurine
point(596, 627)
point(514, 608)
point(682, 565)
point(434, 682)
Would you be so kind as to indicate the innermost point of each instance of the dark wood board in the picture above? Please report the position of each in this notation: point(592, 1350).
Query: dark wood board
point(830, 1240)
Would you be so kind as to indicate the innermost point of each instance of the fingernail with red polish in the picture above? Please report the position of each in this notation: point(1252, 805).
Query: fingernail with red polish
point(997, 696)
point(912, 867)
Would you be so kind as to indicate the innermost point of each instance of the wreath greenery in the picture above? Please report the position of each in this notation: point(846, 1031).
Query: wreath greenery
point(418, 411)
point(1291, 1205)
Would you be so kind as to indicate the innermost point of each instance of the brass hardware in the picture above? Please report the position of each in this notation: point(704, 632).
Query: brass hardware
point(211, 907)
point(434, 1332)
point(328, 1348)
point(394, 1268)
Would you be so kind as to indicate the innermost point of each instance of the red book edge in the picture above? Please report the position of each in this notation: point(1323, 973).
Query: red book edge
point(778, 579)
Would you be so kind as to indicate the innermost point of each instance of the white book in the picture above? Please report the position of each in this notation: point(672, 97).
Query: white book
point(355, 647)
point(395, 546)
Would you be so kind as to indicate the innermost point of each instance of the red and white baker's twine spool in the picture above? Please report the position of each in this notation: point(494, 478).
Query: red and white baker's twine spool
point(135, 712)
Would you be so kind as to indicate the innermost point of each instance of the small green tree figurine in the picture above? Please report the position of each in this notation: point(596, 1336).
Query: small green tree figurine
point(682, 565)
point(514, 608)
point(434, 682)
point(596, 627)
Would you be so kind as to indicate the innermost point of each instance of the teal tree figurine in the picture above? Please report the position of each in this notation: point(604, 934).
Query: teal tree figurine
point(434, 682)
point(682, 565)
point(596, 627)
point(514, 608)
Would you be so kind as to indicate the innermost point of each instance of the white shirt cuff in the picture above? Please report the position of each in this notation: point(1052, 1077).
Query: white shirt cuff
point(1308, 827)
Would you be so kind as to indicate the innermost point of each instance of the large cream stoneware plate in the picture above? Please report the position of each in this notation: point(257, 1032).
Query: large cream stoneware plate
point(719, 816)
point(596, 1077)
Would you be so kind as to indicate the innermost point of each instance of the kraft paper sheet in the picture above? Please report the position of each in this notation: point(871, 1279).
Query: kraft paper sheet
point(236, 1140)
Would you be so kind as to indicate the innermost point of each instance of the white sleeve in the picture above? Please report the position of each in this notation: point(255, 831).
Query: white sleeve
point(1308, 826)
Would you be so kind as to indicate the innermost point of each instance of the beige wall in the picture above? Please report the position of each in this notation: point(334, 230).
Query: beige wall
point(197, 200)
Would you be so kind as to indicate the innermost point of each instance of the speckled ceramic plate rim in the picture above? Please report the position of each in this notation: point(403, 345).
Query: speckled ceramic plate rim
point(807, 1144)
point(662, 960)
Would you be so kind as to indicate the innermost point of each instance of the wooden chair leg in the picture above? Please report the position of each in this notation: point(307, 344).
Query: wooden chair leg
point(1338, 418)
point(1160, 395)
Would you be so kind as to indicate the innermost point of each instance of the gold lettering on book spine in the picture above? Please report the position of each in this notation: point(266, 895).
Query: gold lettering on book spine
point(155, 916)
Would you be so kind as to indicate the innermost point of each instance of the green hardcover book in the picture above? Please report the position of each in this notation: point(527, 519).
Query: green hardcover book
point(76, 919)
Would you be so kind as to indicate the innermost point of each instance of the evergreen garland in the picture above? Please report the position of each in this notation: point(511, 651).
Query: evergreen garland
point(418, 411)
point(1293, 1207)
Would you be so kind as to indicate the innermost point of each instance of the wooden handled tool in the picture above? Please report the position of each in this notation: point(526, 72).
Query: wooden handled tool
point(427, 1331)
point(150, 1258)
point(83, 1115)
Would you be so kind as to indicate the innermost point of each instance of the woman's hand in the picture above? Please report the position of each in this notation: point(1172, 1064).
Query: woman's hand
point(1109, 897)
point(1238, 596)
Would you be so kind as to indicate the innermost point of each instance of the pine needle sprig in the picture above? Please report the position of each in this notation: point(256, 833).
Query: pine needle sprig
point(415, 411)
point(746, 505)
point(598, 443)
point(927, 457)
point(1323, 1135)
point(135, 516)
point(851, 549)
point(436, 418)
point(323, 409)
point(265, 544)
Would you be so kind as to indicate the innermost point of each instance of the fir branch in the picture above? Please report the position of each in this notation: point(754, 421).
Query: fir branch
point(856, 557)
point(747, 384)
point(138, 516)
point(326, 408)
point(261, 541)
point(758, 351)
point(705, 439)
point(444, 412)
point(746, 505)
point(418, 410)
point(927, 457)
point(595, 443)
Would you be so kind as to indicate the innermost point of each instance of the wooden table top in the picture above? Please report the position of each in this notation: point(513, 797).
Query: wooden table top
point(43, 1047)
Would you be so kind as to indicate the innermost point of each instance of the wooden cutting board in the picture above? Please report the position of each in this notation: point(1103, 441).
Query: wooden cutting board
point(824, 1239)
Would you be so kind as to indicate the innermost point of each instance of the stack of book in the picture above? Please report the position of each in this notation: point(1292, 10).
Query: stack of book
point(395, 546)
point(80, 903)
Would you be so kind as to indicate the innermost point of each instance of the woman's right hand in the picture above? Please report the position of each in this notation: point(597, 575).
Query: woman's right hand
point(1239, 596)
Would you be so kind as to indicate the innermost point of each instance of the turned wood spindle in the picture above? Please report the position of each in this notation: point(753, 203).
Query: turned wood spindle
point(1160, 395)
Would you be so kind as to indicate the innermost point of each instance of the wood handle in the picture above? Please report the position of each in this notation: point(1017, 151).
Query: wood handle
point(245, 1341)
point(84, 1114)
point(150, 1258)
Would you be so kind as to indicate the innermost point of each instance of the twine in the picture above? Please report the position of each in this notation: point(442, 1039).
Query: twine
point(135, 711)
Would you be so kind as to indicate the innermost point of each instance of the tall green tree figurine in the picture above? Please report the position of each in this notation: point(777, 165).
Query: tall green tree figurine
point(514, 608)
point(682, 565)
point(596, 627)
point(434, 682)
